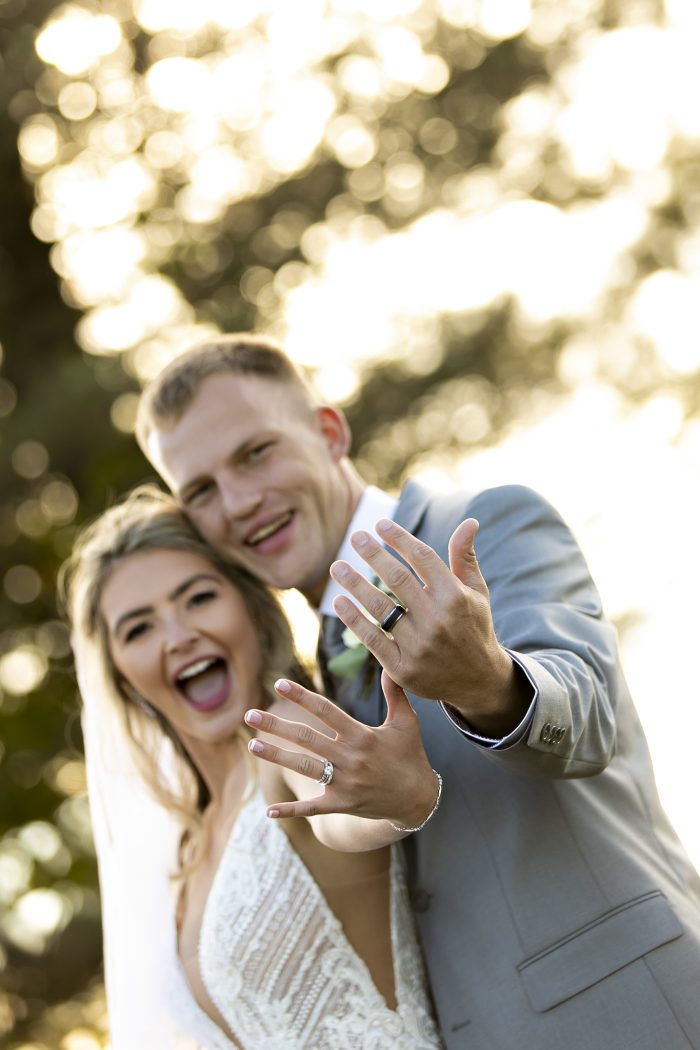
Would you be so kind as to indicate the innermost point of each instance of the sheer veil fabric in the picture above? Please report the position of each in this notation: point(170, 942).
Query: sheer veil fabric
point(149, 1001)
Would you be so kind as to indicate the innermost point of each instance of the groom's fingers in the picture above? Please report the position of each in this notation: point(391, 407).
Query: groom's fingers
point(371, 636)
point(462, 556)
point(377, 603)
point(427, 565)
point(396, 577)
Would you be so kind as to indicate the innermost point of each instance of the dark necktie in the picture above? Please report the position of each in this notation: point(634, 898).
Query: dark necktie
point(350, 693)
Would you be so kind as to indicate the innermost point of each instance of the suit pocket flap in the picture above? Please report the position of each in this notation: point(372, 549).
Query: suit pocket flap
point(598, 949)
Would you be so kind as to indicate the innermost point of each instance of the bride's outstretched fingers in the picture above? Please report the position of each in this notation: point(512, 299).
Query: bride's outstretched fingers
point(378, 772)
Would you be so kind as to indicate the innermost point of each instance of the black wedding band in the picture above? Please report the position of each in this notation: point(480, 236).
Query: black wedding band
point(393, 617)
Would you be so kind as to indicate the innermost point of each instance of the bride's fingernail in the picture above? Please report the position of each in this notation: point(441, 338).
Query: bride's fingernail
point(273, 813)
point(282, 685)
point(253, 718)
point(256, 746)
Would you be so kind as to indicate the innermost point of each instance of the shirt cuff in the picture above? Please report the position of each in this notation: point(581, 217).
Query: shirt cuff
point(496, 743)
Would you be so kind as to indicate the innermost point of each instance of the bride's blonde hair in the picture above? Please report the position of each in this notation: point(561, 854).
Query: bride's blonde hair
point(149, 519)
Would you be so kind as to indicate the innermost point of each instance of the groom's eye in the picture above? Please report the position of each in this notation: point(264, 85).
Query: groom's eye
point(259, 450)
point(199, 493)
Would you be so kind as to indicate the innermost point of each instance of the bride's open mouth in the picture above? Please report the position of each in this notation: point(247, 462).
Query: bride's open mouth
point(205, 683)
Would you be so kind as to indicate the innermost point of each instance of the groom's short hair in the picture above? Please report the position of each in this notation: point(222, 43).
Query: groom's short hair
point(167, 397)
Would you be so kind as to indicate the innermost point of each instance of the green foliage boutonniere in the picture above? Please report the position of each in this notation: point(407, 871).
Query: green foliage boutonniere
point(350, 661)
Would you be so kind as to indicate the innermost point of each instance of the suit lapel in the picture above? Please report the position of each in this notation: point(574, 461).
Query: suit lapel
point(413, 504)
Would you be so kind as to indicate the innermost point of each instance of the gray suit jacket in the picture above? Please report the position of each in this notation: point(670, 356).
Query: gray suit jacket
point(555, 904)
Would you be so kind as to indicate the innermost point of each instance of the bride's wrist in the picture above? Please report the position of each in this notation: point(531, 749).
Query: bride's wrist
point(436, 802)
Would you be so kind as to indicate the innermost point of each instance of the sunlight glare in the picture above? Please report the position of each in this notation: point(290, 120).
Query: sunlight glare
point(360, 76)
point(400, 53)
point(291, 134)
point(502, 19)
point(462, 14)
point(185, 16)
point(38, 142)
point(555, 262)
point(665, 310)
point(35, 918)
point(74, 39)
point(16, 869)
point(151, 303)
point(90, 195)
point(22, 670)
point(352, 142)
point(179, 84)
point(381, 10)
point(77, 101)
point(238, 84)
point(100, 264)
point(627, 120)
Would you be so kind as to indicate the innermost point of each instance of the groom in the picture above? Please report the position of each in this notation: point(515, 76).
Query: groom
point(554, 902)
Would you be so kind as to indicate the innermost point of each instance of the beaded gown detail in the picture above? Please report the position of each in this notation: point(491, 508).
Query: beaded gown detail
point(278, 966)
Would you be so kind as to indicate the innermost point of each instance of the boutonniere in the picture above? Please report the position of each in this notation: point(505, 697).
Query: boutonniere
point(353, 658)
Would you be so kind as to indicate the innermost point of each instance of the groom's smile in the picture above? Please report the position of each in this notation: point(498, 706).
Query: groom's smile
point(267, 537)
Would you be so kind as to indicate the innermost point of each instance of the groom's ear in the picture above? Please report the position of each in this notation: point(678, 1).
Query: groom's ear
point(335, 430)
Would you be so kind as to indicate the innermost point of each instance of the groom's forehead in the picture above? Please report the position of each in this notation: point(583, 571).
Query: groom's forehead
point(227, 414)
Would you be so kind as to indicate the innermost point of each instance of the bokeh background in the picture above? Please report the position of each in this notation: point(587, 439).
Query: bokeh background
point(477, 222)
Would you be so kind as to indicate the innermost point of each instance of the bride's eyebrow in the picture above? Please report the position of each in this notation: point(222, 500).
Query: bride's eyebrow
point(134, 614)
point(180, 589)
point(186, 584)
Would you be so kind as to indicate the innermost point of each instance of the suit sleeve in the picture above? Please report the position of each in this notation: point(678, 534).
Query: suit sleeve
point(547, 613)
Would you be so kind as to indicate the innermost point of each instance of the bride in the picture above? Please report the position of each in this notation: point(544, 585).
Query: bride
point(288, 934)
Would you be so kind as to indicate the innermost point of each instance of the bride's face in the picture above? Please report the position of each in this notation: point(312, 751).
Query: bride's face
point(181, 636)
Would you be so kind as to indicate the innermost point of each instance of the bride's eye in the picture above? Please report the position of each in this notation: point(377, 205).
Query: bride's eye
point(201, 597)
point(136, 631)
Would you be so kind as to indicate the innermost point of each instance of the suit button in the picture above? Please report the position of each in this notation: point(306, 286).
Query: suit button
point(420, 900)
point(550, 734)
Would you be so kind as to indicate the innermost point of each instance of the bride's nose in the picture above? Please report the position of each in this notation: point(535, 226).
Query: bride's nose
point(179, 635)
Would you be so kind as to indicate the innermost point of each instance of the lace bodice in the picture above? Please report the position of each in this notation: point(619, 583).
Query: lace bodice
point(277, 964)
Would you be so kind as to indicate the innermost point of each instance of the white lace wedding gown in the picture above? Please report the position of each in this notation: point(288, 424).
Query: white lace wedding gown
point(278, 966)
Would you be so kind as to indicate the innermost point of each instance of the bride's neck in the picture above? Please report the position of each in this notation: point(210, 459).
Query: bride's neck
point(219, 766)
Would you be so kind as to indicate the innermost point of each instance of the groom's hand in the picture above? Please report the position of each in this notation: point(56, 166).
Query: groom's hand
point(444, 647)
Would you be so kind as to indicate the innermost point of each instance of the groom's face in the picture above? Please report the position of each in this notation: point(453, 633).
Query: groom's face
point(259, 472)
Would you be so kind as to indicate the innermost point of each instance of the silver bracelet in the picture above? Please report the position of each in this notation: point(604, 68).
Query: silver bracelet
point(397, 827)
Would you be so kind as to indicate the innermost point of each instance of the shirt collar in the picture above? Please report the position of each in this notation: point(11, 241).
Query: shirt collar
point(374, 504)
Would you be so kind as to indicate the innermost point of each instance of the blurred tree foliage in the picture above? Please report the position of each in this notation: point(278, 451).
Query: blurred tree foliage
point(172, 168)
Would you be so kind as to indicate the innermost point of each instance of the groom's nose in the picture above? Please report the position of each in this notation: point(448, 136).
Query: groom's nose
point(239, 499)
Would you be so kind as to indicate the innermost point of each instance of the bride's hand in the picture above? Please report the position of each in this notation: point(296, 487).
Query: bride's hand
point(379, 772)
